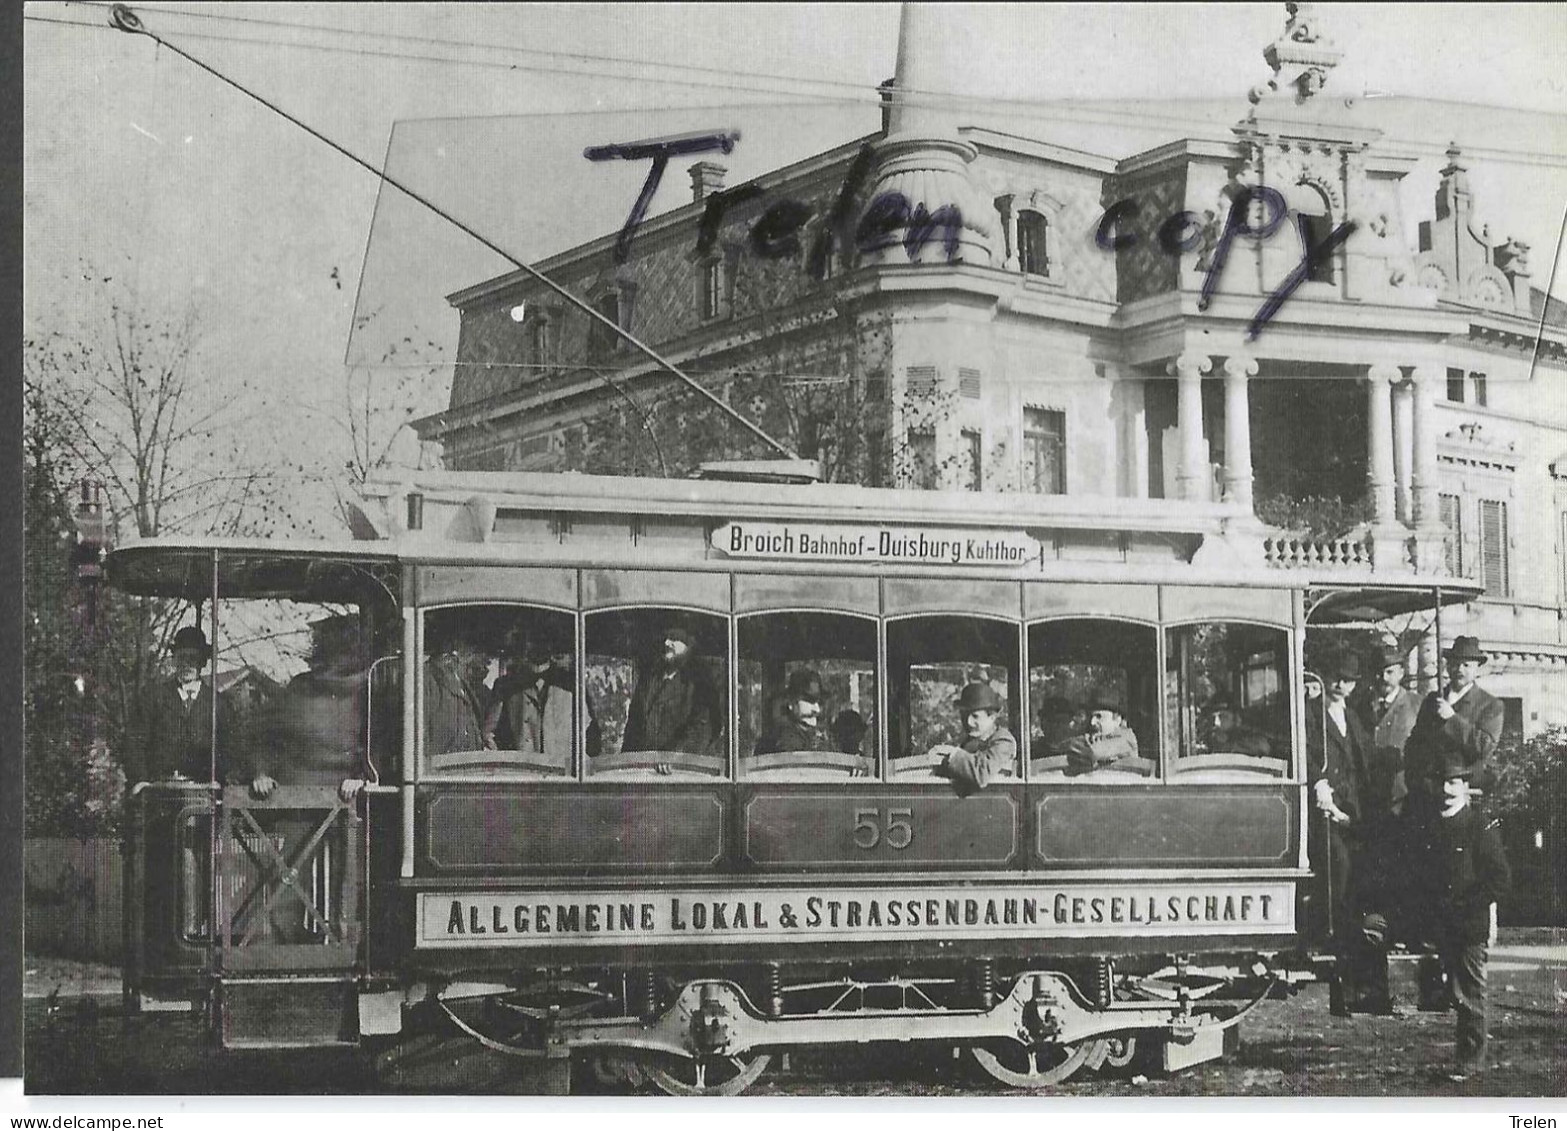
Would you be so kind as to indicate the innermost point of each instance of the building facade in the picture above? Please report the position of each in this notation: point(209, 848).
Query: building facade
point(945, 306)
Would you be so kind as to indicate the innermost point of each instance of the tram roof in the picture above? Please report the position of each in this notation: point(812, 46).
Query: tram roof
point(460, 509)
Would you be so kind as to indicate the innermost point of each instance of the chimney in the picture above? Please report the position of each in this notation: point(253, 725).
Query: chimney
point(707, 177)
point(885, 90)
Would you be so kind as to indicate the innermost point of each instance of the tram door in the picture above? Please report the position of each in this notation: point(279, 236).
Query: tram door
point(290, 845)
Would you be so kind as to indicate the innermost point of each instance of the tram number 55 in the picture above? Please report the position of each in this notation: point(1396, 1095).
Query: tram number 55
point(883, 826)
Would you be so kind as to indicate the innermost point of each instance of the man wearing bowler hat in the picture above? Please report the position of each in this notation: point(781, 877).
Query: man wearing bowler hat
point(800, 726)
point(988, 751)
point(1455, 731)
point(176, 737)
point(1109, 744)
point(1458, 869)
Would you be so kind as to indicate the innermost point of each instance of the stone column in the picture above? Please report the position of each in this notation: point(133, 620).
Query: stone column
point(1194, 473)
point(1005, 207)
point(1427, 514)
point(1403, 452)
point(1238, 369)
point(1379, 442)
point(1427, 511)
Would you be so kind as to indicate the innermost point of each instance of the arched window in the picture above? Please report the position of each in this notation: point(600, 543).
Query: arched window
point(1033, 244)
point(1315, 224)
point(1226, 699)
point(1094, 691)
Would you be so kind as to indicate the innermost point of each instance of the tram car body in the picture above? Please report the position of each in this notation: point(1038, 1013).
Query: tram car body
point(613, 891)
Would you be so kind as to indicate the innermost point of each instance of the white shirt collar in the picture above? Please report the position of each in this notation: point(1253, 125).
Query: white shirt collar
point(1452, 698)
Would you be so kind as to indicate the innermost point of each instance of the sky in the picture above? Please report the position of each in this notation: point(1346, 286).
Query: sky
point(152, 172)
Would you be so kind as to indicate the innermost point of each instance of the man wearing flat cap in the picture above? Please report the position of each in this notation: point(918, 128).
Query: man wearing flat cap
point(1458, 869)
point(800, 725)
point(674, 707)
point(988, 751)
point(1109, 744)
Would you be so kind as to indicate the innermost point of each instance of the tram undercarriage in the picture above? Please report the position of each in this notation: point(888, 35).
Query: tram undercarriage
point(1029, 1027)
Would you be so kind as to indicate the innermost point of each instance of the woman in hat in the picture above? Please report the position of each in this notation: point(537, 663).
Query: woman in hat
point(988, 750)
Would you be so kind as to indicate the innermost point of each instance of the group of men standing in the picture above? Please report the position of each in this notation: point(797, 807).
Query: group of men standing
point(1394, 828)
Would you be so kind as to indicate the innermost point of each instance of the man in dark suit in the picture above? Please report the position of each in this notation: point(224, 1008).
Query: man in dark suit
point(1454, 734)
point(1389, 712)
point(674, 707)
point(1444, 760)
point(175, 742)
point(1337, 751)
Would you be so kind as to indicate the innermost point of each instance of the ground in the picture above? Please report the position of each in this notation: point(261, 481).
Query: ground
point(80, 1042)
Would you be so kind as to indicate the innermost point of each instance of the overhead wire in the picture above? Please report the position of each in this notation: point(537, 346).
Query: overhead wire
point(1041, 110)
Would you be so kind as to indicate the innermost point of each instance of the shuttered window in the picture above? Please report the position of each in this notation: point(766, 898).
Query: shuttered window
point(920, 381)
point(1493, 547)
point(1453, 542)
point(969, 384)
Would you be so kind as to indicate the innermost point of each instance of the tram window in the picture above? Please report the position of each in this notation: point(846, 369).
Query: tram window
point(303, 697)
point(807, 695)
point(499, 690)
point(657, 683)
point(1226, 698)
point(930, 659)
point(1094, 693)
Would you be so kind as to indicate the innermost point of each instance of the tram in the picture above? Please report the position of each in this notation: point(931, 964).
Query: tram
point(651, 882)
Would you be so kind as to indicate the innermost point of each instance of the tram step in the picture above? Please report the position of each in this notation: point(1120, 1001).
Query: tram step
point(288, 1012)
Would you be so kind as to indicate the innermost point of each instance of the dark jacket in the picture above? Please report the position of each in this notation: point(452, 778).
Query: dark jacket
point(1339, 759)
point(1457, 747)
point(313, 732)
point(1460, 871)
point(673, 711)
point(176, 737)
point(1389, 725)
point(787, 735)
point(452, 713)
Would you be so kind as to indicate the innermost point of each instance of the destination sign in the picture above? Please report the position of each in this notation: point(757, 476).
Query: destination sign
point(881, 913)
point(834, 542)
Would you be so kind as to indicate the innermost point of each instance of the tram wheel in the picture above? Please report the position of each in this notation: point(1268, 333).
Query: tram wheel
point(1036, 1066)
point(706, 1076)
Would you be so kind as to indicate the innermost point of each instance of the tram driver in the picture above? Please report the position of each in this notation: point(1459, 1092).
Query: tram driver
point(989, 751)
